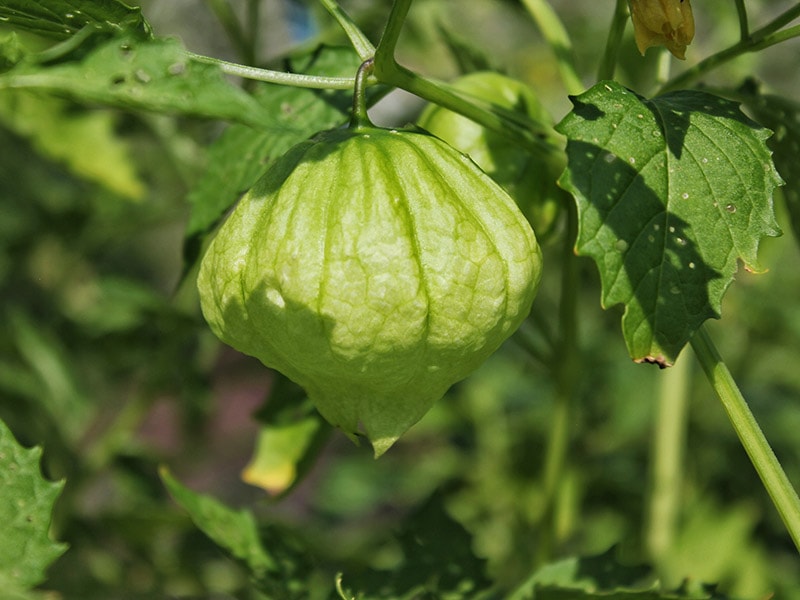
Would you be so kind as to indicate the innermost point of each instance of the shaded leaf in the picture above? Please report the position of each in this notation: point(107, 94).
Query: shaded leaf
point(782, 115)
point(63, 18)
point(157, 75)
point(672, 192)
point(26, 506)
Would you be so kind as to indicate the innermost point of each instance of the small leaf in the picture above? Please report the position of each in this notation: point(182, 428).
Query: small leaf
point(157, 75)
point(63, 18)
point(292, 433)
point(26, 506)
point(672, 192)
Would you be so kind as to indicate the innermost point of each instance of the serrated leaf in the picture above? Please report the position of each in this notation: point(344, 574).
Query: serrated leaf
point(240, 156)
point(672, 192)
point(26, 506)
point(157, 75)
point(63, 18)
point(782, 115)
point(85, 141)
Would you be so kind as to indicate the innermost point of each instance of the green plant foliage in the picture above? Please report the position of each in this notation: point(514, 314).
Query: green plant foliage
point(61, 19)
point(26, 505)
point(155, 75)
point(672, 192)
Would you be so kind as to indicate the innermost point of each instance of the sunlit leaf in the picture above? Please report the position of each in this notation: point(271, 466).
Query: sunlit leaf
point(156, 75)
point(672, 193)
point(26, 505)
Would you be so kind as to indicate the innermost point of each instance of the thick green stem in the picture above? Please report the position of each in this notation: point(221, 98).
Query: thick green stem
point(744, 28)
point(359, 41)
point(777, 484)
point(667, 459)
point(558, 39)
point(608, 64)
point(767, 36)
point(360, 118)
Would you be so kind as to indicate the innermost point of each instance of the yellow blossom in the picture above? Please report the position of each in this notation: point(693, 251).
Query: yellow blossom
point(663, 22)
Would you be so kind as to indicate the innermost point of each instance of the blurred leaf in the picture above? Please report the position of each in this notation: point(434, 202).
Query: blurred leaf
point(291, 436)
point(279, 570)
point(241, 154)
point(26, 505)
point(672, 192)
point(157, 75)
point(85, 141)
point(46, 358)
point(601, 576)
point(466, 54)
point(63, 18)
point(782, 115)
point(11, 51)
point(437, 561)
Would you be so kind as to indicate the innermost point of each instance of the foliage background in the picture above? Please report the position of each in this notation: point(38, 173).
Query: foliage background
point(105, 360)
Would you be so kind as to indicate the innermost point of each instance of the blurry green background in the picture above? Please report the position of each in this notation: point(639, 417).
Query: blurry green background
point(106, 362)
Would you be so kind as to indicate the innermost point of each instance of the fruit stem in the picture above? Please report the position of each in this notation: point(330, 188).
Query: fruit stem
point(608, 63)
point(774, 478)
point(359, 117)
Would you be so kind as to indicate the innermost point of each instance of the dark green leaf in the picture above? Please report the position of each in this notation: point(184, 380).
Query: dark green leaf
point(782, 115)
point(26, 505)
point(672, 192)
point(155, 75)
point(64, 18)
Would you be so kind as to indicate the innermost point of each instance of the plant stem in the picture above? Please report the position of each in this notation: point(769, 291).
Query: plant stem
point(557, 37)
point(767, 36)
point(777, 484)
point(227, 18)
point(744, 28)
point(667, 459)
point(565, 367)
point(280, 77)
point(608, 63)
point(359, 117)
point(359, 41)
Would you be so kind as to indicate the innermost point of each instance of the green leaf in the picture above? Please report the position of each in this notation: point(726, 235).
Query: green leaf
point(280, 570)
point(156, 75)
point(26, 506)
point(235, 531)
point(63, 18)
point(672, 192)
point(85, 141)
point(291, 435)
point(782, 115)
point(241, 154)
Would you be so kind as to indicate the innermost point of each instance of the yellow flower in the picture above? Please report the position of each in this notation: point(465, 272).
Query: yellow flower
point(663, 22)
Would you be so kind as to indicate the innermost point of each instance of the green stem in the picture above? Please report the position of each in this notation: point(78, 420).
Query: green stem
point(360, 118)
point(667, 462)
point(227, 18)
point(767, 36)
point(608, 64)
point(565, 367)
point(558, 39)
point(744, 28)
point(280, 77)
point(777, 484)
point(359, 41)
